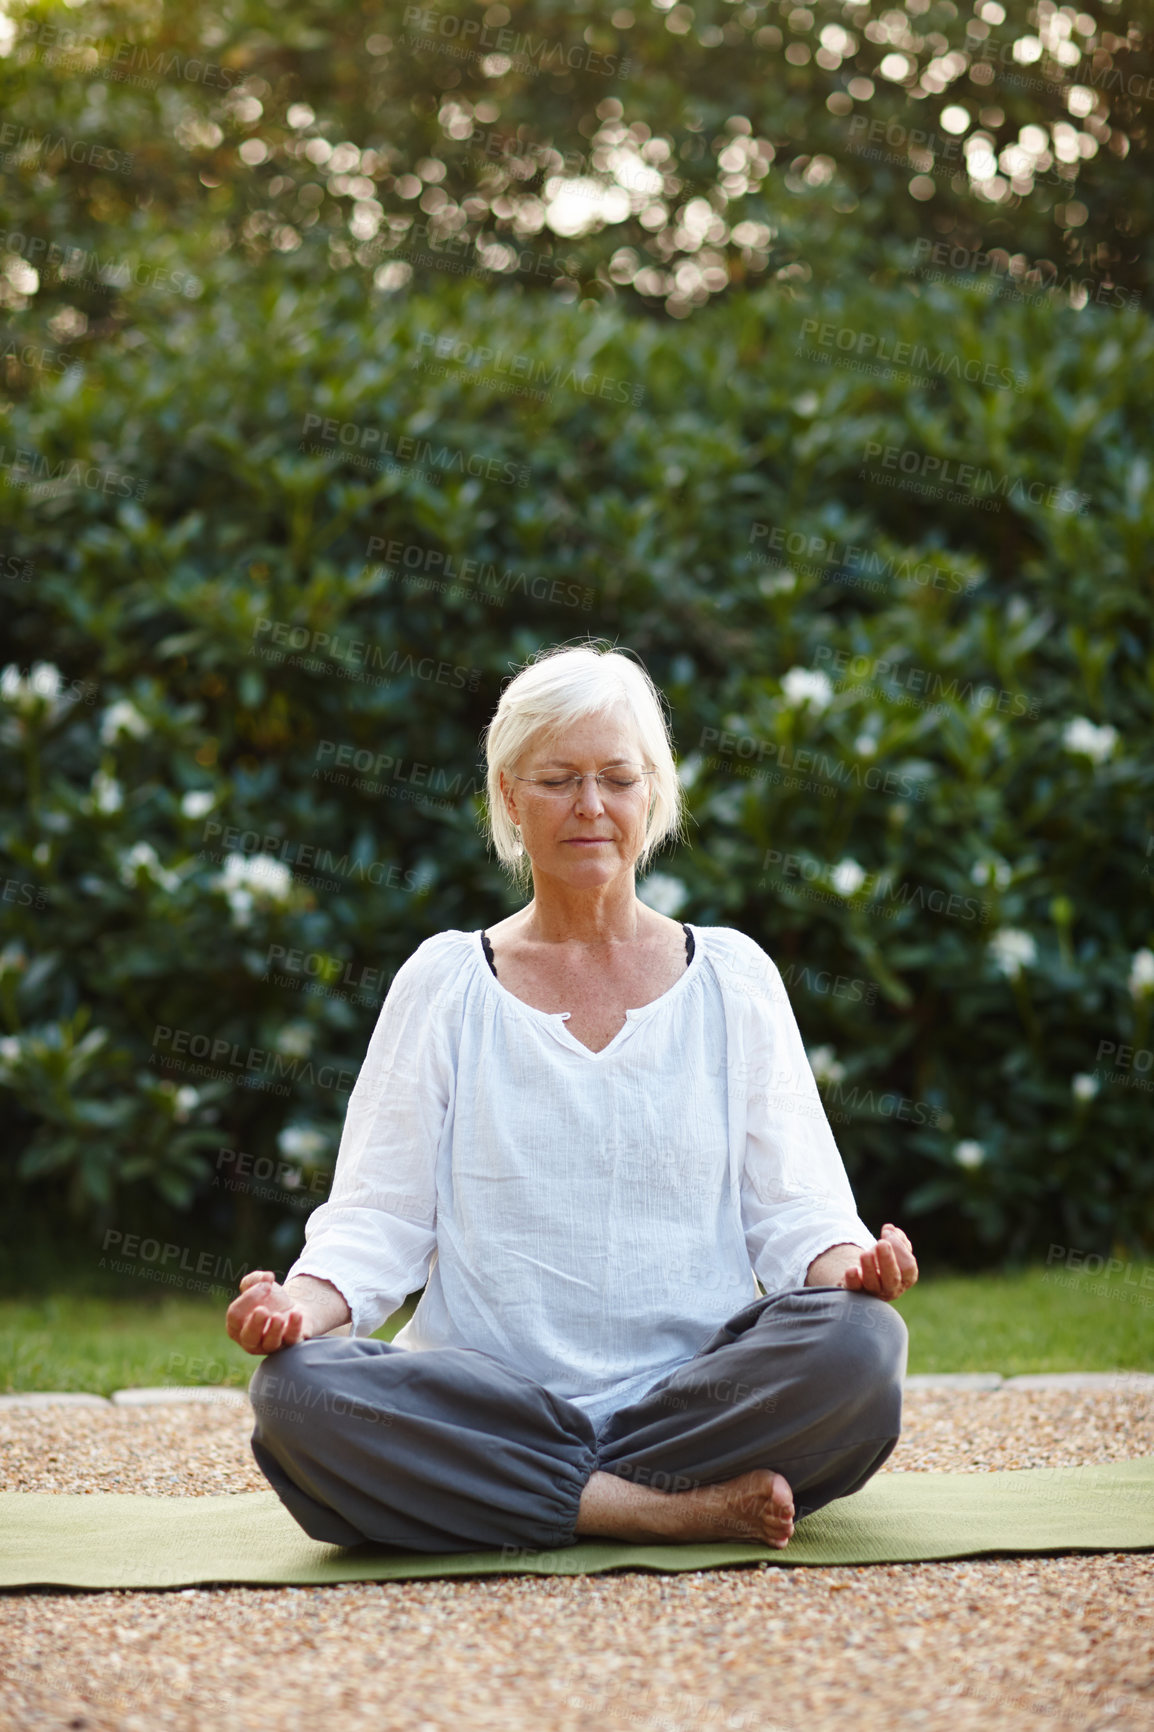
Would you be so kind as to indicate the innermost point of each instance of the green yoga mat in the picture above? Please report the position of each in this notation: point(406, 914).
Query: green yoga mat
point(106, 1540)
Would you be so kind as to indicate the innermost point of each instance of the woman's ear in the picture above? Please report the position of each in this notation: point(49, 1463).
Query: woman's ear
point(509, 798)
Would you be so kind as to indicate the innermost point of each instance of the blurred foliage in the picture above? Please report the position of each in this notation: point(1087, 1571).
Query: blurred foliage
point(661, 154)
point(281, 516)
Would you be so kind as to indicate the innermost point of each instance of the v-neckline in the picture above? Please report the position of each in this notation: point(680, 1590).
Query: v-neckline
point(558, 1019)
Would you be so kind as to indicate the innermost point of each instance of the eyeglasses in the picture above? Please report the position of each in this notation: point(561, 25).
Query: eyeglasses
point(621, 779)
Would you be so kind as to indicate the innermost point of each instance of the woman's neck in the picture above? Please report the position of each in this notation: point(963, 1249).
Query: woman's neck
point(607, 914)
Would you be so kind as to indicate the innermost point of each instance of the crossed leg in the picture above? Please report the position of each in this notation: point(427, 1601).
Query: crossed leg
point(795, 1401)
point(807, 1382)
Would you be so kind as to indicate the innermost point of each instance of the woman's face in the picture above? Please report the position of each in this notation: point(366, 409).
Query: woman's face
point(588, 836)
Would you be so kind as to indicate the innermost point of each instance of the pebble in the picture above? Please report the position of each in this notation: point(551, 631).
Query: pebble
point(969, 1645)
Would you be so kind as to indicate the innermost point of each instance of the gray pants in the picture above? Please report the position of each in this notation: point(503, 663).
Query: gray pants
point(452, 1450)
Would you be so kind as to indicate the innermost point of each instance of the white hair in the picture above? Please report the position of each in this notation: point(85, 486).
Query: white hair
point(557, 688)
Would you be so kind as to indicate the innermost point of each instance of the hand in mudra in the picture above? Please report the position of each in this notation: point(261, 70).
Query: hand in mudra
point(886, 1271)
point(264, 1318)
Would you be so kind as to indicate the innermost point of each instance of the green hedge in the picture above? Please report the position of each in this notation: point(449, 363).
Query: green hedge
point(915, 730)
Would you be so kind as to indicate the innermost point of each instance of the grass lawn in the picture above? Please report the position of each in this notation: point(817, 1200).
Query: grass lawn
point(1006, 1323)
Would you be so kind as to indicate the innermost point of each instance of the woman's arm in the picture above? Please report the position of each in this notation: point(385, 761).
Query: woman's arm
point(370, 1245)
point(798, 1208)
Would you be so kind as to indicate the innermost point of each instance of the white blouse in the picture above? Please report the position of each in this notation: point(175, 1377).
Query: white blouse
point(588, 1218)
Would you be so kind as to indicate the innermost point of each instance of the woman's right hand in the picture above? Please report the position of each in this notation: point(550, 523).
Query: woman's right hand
point(264, 1319)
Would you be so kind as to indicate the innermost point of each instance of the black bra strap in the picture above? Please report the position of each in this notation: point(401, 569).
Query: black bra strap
point(488, 949)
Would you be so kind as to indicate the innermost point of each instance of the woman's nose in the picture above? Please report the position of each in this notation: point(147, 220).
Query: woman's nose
point(589, 801)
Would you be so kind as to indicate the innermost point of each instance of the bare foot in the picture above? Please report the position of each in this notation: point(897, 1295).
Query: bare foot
point(756, 1506)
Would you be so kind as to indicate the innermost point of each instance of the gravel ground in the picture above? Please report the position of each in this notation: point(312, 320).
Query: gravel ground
point(1004, 1644)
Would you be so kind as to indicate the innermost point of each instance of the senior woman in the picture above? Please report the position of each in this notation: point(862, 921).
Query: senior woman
point(586, 1132)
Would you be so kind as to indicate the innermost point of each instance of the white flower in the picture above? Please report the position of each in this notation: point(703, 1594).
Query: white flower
point(198, 803)
point(44, 680)
point(243, 880)
point(994, 871)
point(824, 1064)
point(1142, 973)
point(689, 769)
point(142, 855)
point(295, 1039)
point(847, 877)
point(106, 794)
point(663, 893)
point(297, 1143)
point(40, 687)
point(1012, 950)
point(1081, 735)
point(122, 717)
point(1085, 1086)
point(9, 1049)
point(186, 1099)
point(969, 1153)
point(807, 685)
point(865, 746)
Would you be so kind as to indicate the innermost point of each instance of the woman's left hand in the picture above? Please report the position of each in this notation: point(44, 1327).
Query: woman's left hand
point(886, 1271)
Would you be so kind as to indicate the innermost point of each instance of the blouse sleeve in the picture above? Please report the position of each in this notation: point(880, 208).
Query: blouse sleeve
point(375, 1236)
point(796, 1199)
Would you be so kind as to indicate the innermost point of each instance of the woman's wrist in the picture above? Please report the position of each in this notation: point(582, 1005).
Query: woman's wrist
point(324, 1306)
point(827, 1269)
